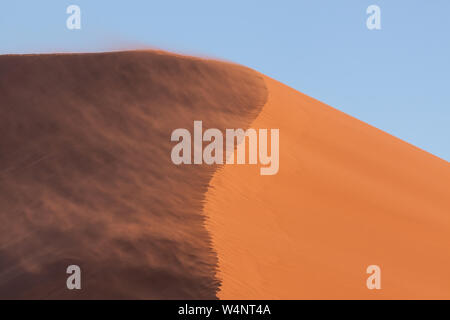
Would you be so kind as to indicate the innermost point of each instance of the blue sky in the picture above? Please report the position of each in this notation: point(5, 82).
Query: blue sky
point(396, 78)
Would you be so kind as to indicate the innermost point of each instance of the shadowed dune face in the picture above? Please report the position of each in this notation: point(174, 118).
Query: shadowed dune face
point(346, 196)
point(86, 176)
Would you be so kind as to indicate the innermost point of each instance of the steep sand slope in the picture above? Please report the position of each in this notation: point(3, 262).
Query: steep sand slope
point(347, 196)
point(86, 176)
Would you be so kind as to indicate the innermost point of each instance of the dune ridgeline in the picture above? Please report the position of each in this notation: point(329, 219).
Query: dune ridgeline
point(87, 179)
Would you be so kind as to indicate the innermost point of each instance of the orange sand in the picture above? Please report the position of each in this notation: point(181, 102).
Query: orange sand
point(86, 176)
point(347, 195)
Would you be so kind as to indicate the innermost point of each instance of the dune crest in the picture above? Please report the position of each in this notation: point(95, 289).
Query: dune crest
point(346, 196)
point(86, 176)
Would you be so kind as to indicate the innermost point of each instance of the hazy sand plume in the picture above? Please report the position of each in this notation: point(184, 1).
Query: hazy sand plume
point(86, 176)
point(346, 196)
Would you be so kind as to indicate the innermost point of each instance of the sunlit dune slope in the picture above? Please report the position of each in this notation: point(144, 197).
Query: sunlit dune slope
point(86, 176)
point(346, 196)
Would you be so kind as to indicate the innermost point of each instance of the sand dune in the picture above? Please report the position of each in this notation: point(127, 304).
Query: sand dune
point(86, 176)
point(346, 196)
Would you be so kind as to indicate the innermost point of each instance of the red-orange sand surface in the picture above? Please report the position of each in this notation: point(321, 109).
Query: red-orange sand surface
point(347, 196)
point(86, 178)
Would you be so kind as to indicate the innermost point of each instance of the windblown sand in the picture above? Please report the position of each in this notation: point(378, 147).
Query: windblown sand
point(86, 176)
